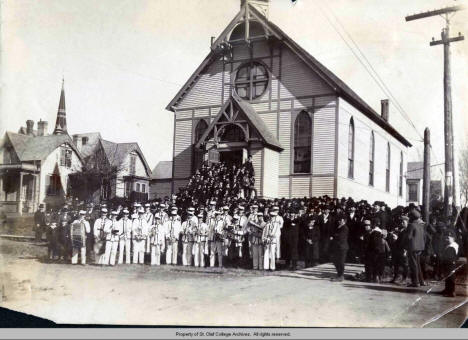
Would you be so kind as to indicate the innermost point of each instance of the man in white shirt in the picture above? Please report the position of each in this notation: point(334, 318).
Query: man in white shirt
point(172, 228)
point(278, 221)
point(270, 238)
point(158, 241)
point(79, 228)
point(140, 231)
point(125, 227)
point(149, 217)
point(217, 238)
point(101, 226)
point(112, 240)
point(200, 247)
point(188, 229)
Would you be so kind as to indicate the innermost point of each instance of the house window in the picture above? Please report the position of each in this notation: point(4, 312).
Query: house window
point(200, 129)
point(400, 180)
point(251, 80)
point(84, 141)
point(302, 143)
point(371, 158)
point(132, 164)
point(351, 149)
point(53, 185)
point(143, 188)
point(65, 157)
point(387, 169)
point(413, 192)
point(137, 187)
point(128, 189)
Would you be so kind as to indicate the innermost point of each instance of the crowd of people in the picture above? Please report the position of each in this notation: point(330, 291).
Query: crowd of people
point(221, 226)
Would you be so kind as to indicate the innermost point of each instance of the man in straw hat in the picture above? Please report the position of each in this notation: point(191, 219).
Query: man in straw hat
point(172, 229)
point(125, 241)
point(140, 230)
point(78, 231)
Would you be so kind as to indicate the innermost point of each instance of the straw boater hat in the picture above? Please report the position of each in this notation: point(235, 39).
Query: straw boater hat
point(191, 210)
point(147, 205)
point(104, 210)
point(125, 211)
point(174, 210)
point(82, 212)
point(114, 212)
point(200, 214)
point(141, 210)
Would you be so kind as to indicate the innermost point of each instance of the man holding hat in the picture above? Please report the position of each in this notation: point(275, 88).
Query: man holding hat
point(200, 245)
point(112, 239)
point(157, 240)
point(101, 225)
point(125, 227)
point(416, 241)
point(172, 230)
point(140, 230)
point(78, 231)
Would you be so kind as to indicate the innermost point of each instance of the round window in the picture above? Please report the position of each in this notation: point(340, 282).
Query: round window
point(251, 80)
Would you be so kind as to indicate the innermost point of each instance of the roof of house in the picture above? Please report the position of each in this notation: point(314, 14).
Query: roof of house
point(415, 170)
point(23, 130)
point(336, 83)
point(93, 142)
point(30, 148)
point(117, 152)
point(163, 170)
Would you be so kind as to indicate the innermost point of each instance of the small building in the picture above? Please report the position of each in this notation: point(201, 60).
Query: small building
point(35, 165)
point(414, 184)
point(161, 180)
point(258, 92)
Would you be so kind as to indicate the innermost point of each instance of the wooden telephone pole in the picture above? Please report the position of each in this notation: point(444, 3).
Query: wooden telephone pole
point(427, 174)
point(448, 124)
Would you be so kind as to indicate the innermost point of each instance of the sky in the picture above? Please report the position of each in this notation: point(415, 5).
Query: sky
point(124, 60)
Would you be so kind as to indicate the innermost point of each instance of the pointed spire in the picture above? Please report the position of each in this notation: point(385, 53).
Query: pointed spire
point(61, 123)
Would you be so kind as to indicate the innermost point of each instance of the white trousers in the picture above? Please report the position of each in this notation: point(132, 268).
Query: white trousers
point(187, 253)
point(111, 252)
point(124, 246)
point(269, 256)
point(75, 252)
point(257, 256)
point(199, 254)
point(139, 252)
point(155, 254)
point(216, 248)
point(171, 252)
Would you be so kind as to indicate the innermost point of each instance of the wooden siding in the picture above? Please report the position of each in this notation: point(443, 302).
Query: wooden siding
point(184, 114)
point(160, 189)
point(271, 121)
point(257, 164)
point(270, 173)
point(183, 149)
point(285, 141)
point(297, 79)
point(201, 113)
point(207, 89)
point(179, 184)
point(283, 187)
point(323, 186)
point(302, 103)
point(300, 186)
point(323, 148)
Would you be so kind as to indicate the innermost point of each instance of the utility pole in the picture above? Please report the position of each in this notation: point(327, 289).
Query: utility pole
point(427, 174)
point(448, 124)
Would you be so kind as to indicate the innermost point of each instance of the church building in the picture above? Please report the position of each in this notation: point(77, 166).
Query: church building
point(259, 93)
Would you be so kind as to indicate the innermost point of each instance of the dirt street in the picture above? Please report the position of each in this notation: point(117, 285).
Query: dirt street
point(176, 295)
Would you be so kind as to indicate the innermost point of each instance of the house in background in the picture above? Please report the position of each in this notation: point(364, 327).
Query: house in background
point(161, 180)
point(414, 184)
point(35, 165)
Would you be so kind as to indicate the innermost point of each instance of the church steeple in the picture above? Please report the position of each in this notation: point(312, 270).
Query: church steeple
point(61, 123)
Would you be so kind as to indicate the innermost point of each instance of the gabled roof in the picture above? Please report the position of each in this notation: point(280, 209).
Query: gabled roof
point(254, 120)
point(163, 170)
point(117, 152)
point(93, 142)
point(29, 148)
point(23, 130)
point(331, 79)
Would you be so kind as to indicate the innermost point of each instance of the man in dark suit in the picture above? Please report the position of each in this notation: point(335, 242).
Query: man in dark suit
point(326, 226)
point(40, 222)
point(415, 244)
point(339, 246)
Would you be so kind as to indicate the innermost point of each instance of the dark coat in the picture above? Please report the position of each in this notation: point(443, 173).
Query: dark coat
point(340, 239)
point(415, 236)
point(40, 218)
point(326, 228)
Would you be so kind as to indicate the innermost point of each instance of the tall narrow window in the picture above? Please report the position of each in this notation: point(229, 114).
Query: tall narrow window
point(351, 149)
point(200, 129)
point(400, 180)
point(65, 157)
point(302, 143)
point(132, 164)
point(371, 158)
point(387, 169)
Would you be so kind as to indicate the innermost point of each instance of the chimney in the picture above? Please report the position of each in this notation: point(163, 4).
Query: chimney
point(384, 109)
point(77, 141)
point(29, 127)
point(260, 5)
point(42, 128)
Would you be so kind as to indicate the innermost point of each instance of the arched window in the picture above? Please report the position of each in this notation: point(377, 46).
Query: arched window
point(400, 180)
point(351, 149)
point(255, 30)
point(387, 169)
point(371, 158)
point(231, 133)
point(302, 143)
point(200, 129)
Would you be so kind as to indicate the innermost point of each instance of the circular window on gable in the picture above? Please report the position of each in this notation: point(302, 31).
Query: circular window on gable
point(251, 80)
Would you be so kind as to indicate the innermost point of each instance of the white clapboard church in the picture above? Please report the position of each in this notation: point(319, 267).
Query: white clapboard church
point(258, 92)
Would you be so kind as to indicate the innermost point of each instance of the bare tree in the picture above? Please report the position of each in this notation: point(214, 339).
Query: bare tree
point(463, 175)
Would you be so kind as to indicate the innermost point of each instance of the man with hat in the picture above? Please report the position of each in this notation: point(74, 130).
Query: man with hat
point(112, 239)
point(255, 227)
point(216, 237)
point(339, 245)
point(101, 225)
point(270, 236)
point(399, 254)
point(140, 230)
point(448, 262)
point(40, 222)
point(326, 225)
point(79, 228)
point(172, 230)
point(189, 227)
point(279, 222)
point(415, 237)
point(312, 237)
point(161, 212)
point(149, 217)
point(157, 240)
point(200, 245)
point(125, 227)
